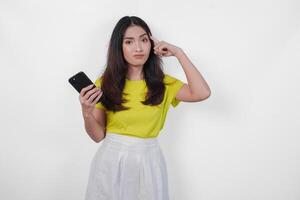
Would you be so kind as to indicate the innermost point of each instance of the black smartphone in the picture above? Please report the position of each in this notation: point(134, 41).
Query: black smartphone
point(81, 80)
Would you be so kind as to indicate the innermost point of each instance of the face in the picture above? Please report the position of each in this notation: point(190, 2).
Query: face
point(136, 46)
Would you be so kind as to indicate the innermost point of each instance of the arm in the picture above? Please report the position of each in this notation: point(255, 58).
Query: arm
point(197, 88)
point(94, 119)
point(95, 124)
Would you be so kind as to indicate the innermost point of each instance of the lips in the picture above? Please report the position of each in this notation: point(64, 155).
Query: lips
point(139, 56)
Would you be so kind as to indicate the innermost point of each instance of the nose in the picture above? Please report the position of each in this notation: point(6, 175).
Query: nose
point(138, 46)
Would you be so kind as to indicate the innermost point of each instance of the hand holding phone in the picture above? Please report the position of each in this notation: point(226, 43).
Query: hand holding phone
point(88, 98)
point(88, 91)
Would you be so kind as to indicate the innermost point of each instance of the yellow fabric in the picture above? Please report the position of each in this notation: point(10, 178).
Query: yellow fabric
point(141, 120)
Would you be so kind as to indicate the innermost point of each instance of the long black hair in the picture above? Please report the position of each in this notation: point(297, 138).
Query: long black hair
point(114, 75)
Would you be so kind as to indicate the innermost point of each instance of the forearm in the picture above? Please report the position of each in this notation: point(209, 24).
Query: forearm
point(196, 82)
point(94, 129)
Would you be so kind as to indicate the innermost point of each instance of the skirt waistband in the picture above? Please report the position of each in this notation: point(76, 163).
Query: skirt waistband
point(129, 142)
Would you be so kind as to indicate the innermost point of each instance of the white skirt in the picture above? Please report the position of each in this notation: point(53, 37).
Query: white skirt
point(128, 168)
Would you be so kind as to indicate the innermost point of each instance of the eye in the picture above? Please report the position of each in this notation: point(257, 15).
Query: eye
point(127, 42)
point(145, 39)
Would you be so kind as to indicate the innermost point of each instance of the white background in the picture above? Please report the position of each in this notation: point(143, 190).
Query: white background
point(240, 144)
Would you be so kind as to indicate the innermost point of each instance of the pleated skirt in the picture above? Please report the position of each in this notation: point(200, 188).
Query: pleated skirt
point(128, 168)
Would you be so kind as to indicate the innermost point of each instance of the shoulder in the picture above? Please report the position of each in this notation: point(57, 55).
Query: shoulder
point(169, 80)
point(98, 81)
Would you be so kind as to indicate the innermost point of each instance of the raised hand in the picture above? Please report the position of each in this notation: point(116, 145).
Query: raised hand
point(163, 48)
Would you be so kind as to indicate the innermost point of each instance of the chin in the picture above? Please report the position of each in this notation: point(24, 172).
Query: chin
point(137, 64)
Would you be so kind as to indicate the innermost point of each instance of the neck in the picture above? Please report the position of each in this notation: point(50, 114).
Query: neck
point(135, 73)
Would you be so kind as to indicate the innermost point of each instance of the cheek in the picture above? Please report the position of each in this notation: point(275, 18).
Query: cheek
point(148, 48)
point(126, 51)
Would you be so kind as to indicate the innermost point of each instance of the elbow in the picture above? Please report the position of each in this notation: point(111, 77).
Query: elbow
point(99, 137)
point(204, 96)
point(208, 94)
point(97, 140)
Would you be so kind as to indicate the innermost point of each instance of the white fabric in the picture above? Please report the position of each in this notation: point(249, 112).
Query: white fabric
point(128, 168)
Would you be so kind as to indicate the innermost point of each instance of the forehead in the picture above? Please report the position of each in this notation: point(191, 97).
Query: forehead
point(134, 31)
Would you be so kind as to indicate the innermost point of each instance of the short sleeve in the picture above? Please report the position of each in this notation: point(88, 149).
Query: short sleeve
point(98, 84)
point(173, 86)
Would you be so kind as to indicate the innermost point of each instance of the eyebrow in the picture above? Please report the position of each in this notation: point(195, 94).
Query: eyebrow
point(133, 37)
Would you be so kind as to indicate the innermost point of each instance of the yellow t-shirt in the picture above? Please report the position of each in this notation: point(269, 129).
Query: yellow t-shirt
point(141, 120)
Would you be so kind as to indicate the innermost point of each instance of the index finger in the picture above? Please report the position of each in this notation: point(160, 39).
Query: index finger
point(83, 90)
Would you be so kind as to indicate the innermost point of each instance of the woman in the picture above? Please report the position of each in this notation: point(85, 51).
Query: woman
point(135, 98)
